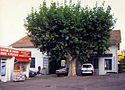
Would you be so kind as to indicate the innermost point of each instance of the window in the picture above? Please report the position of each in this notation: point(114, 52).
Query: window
point(17, 66)
point(23, 67)
point(32, 65)
point(108, 64)
point(3, 69)
point(87, 66)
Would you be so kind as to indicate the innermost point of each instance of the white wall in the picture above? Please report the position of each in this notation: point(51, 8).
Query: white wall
point(102, 71)
point(9, 69)
point(27, 69)
point(114, 49)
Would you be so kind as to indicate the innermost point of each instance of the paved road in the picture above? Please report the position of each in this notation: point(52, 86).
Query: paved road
point(50, 82)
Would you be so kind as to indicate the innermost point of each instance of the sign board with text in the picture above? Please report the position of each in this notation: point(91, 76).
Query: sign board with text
point(14, 53)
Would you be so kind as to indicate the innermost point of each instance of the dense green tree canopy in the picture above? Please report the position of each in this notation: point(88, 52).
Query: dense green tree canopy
point(70, 29)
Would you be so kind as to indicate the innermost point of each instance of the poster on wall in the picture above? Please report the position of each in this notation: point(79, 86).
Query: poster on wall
point(63, 63)
point(3, 69)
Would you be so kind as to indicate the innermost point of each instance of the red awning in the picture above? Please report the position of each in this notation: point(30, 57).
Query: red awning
point(19, 59)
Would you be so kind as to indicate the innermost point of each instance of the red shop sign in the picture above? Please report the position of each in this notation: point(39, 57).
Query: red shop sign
point(14, 53)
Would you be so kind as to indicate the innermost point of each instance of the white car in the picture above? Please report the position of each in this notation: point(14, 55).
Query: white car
point(87, 68)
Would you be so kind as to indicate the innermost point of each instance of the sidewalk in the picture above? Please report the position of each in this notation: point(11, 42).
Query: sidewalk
point(40, 76)
point(87, 78)
point(37, 77)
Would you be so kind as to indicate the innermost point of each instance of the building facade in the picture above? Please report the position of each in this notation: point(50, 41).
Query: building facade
point(102, 64)
point(38, 59)
point(108, 63)
point(12, 62)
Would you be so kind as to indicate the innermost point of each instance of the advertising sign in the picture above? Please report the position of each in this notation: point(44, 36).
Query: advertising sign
point(14, 53)
point(63, 63)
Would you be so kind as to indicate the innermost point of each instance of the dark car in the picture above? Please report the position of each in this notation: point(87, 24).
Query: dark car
point(32, 73)
point(62, 71)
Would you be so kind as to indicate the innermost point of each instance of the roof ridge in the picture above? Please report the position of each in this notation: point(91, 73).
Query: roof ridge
point(23, 42)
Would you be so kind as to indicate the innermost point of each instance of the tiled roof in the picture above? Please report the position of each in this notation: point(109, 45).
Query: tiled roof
point(25, 41)
point(115, 37)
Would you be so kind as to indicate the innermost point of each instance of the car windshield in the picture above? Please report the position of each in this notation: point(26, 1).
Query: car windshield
point(62, 69)
point(86, 66)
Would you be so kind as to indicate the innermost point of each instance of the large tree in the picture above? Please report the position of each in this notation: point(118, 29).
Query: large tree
point(70, 30)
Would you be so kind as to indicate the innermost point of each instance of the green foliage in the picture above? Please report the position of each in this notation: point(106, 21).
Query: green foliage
point(70, 28)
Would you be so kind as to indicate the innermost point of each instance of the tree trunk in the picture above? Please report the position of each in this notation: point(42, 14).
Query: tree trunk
point(72, 66)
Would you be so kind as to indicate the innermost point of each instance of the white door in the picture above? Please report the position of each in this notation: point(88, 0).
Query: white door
point(46, 64)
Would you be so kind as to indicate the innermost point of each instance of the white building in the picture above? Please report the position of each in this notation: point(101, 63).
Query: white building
point(12, 62)
point(37, 58)
point(108, 63)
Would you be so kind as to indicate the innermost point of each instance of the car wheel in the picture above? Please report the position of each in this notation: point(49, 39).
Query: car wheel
point(81, 74)
point(58, 75)
point(92, 74)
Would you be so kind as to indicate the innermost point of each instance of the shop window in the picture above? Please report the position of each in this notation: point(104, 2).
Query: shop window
point(3, 69)
point(23, 67)
point(20, 66)
point(32, 65)
point(108, 64)
point(17, 66)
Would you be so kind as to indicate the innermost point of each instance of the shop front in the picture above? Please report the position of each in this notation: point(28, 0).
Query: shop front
point(14, 64)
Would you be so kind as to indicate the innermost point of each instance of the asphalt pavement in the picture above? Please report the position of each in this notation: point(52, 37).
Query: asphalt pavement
point(51, 82)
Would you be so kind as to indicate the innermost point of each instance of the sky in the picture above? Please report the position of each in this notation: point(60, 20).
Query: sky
point(14, 12)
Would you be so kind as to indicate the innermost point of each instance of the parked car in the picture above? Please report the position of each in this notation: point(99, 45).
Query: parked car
point(62, 71)
point(32, 73)
point(87, 69)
